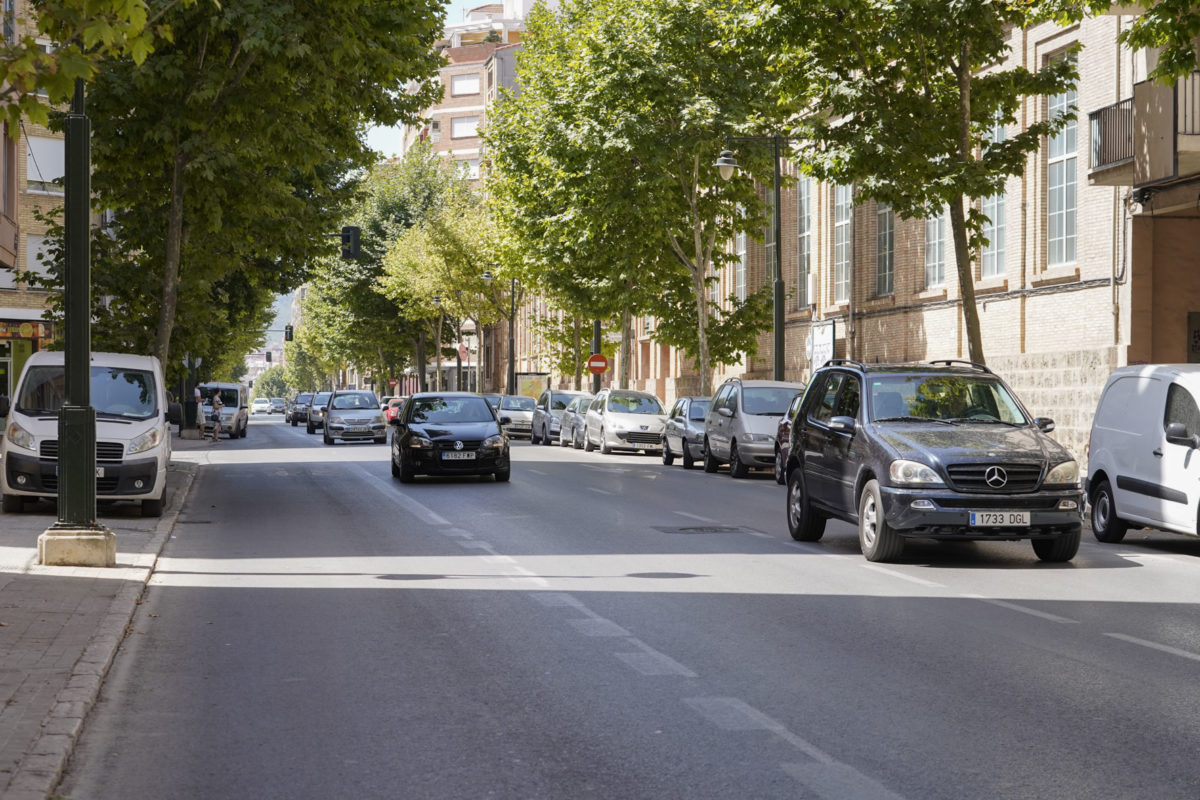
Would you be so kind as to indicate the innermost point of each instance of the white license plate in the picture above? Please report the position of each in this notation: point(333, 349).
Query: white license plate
point(358, 429)
point(457, 456)
point(1000, 519)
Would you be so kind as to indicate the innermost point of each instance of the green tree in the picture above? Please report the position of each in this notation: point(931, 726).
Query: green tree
point(271, 382)
point(900, 99)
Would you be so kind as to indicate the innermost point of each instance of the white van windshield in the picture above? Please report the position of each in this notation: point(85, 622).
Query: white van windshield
point(125, 393)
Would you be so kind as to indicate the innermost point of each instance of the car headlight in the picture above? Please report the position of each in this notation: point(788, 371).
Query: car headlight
point(758, 437)
point(420, 442)
point(146, 441)
point(377, 419)
point(19, 437)
point(336, 420)
point(496, 441)
point(1065, 473)
point(913, 472)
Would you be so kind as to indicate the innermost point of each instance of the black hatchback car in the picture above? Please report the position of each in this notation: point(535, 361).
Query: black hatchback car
point(941, 450)
point(449, 433)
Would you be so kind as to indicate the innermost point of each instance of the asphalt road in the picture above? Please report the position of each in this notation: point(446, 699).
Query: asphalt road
point(605, 626)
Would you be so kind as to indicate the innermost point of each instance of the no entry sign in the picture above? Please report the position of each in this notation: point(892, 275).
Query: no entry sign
point(597, 363)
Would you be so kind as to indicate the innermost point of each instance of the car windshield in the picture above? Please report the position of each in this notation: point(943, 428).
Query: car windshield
point(699, 409)
point(493, 400)
point(560, 402)
point(449, 410)
point(303, 398)
point(128, 393)
point(320, 399)
point(229, 397)
point(278, 400)
point(960, 398)
point(517, 404)
point(634, 404)
point(344, 402)
point(767, 401)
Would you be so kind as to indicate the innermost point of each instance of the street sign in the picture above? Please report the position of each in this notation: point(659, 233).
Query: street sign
point(597, 363)
point(393, 382)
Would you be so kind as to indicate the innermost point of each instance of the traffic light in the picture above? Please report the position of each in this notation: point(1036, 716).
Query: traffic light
point(287, 333)
point(350, 234)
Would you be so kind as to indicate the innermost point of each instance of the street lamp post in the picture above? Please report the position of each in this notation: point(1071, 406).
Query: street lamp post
point(726, 165)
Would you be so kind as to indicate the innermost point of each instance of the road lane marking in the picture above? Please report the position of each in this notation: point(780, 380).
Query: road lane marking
point(1155, 646)
point(650, 662)
point(1023, 609)
point(839, 781)
point(693, 516)
point(900, 575)
point(535, 471)
point(556, 600)
point(732, 714)
point(597, 491)
point(598, 627)
point(398, 495)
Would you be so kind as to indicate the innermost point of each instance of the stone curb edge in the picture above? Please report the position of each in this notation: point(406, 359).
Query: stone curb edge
point(43, 764)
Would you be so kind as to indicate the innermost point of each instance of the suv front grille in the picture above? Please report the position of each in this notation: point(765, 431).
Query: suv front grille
point(974, 477)
point(105, 451)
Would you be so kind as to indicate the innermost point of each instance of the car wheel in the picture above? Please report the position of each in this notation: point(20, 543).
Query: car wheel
point(546, 437)
point(293, 422)
point(688, 461)
point(804, 524)
point(533, 437)
point(1060, 548)
point(326, 438)
point(879, 541)
point(587, 442)
point(503, 475)
point(736, 468)
point(153, 507)
point(668, 458)
point(604, 448)
point(242, 432)
point(1106, 525)
point(562, 437)
point(710, 462)
point(404, 473)
point(780, 477)
point(309, 429)
point(13, 504)
point(380, 440)
point(395, 469)
point(577, 439)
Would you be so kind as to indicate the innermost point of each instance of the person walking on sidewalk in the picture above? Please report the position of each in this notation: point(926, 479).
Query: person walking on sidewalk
point(217, 405)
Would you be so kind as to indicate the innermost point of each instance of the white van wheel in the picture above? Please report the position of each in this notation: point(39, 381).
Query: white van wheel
point(13, 504)
point(152, 507)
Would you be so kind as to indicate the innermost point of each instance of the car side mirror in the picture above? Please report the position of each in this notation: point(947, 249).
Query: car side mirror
point(1044, 424)
point(843, 424)
point(725, 411)
point(506, 420)
point(1177, 433)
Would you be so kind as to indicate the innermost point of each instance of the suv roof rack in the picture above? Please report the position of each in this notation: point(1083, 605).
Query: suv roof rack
point(842, 362)
point(952, 361)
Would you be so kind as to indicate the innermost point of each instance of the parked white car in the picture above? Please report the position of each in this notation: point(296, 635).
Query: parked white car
point(261, 405)
point(1144, 451)
point(623, 419)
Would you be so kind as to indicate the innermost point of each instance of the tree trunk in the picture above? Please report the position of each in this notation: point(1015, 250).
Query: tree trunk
point(966, 281)
point(626, 347)
point(437, 353)
point(702, 366)
point(171, 262)
point(422, 363)
point(578, 353)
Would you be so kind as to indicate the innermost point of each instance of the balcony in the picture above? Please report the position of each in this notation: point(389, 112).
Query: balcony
point(1149, 138)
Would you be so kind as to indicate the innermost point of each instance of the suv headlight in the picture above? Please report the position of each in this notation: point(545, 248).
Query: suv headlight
point(907, 472)
point(1065, 473)
point(420, 442)
point(496, 441)
point(146, 441)
point(377, 419)
point(19, 437)
point(335, 420)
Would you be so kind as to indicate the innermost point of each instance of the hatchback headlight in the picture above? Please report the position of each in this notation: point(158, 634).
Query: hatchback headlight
point(146, 441)
point(1065, 473)
point(377, 419)
point(758, 437)
point(19, 437)
point(905, 472)
point(420, 443)
point(336, 420)
point(496, 441)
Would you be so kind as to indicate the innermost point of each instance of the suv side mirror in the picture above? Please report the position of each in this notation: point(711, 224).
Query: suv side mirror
point(1177, 434)
point(843, 424)
point(1044, 424)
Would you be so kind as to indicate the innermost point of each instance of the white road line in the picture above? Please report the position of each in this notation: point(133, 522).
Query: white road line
point(900, 575)
point(535, 471)
point(598, 627)
point(401, 497)
point(650, 662)
point(839, 781)
point(1155, 646)
point(556, 600)
point(1033, 612)
point(597, 491)
point(693, 516)
point(732, 714)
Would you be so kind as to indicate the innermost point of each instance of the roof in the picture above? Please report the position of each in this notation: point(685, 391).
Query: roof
point(121, 360)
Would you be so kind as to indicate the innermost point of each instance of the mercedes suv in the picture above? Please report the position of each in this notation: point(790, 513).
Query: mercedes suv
point(942, 450)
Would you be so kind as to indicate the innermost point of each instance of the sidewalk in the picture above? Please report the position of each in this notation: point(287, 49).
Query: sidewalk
point(60, 628)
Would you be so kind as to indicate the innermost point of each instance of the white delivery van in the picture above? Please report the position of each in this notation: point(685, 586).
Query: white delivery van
point(133, 436)
point(1144, 451)
point(235, 416)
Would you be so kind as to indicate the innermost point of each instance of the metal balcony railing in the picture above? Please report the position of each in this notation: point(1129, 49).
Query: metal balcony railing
point(1112, 134)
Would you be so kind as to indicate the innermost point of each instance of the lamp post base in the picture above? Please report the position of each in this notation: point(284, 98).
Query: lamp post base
point(77, 547)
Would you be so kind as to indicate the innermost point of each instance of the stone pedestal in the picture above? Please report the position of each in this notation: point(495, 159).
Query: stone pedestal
point(83, 547)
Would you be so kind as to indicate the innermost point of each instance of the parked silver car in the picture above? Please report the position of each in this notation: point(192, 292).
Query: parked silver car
point(519, 410)
point(742, 422)
point(571, 423)
point(547, 414)
point(624, 419)
point(683, 434)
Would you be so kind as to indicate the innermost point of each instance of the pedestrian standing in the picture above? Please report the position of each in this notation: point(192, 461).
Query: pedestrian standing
point(217, 405)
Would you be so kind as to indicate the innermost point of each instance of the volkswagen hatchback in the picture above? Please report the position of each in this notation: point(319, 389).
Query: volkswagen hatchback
point(448, 433)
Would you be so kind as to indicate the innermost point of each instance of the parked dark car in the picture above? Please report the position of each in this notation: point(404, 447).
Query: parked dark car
point(316, 411)
point(782, 436)
point(941, 450)
point(683, 434)
point(354, 415)
point(298, 412)
point(547, 414)
point(449, 433)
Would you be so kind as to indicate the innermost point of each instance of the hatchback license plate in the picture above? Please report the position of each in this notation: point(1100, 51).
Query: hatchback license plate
point(1000, 519)
point(458, 456)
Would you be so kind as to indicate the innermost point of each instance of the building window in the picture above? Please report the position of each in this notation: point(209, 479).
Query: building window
point(472, 165)
point(739, 269)
point(464, 84)
point(842, 202)
point(992, 256)
point(804, 248)
point(935, 251)
point(885, 250)
point(46, 164)
point(1060, 185)
point(464, 127)
point(37, 256)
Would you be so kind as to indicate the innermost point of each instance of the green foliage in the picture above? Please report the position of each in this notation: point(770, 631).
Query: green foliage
point(302, 370)
point(271, 382)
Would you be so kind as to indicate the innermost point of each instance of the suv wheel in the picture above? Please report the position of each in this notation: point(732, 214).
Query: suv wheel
point(1060, 548)
point(804, 524)
point(878, 540)
point(710, 463)
point(736, 468)
point(1106, 525)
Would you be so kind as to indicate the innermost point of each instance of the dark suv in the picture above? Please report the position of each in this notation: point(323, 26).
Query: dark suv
point(941, 450)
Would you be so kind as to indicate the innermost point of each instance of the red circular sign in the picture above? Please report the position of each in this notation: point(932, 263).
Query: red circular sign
point(597, 363)
point(393, 382)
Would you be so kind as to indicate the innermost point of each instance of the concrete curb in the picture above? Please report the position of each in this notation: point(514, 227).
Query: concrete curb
point(43, 764)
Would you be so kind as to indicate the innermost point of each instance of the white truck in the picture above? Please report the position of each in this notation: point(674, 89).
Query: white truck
point(133, 434)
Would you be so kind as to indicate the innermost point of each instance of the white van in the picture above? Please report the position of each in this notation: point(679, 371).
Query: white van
point(1143, 459)
point(235, 417)
point(133, 437)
